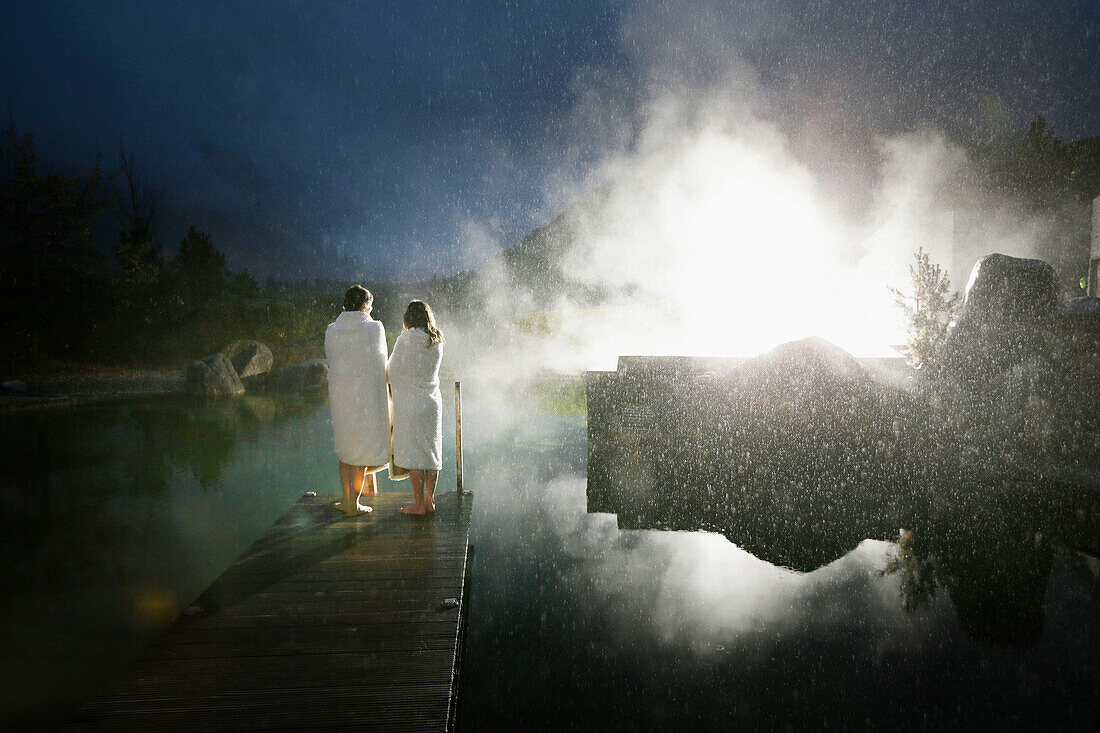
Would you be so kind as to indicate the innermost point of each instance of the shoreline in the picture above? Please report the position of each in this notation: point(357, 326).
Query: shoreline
point(99, 385)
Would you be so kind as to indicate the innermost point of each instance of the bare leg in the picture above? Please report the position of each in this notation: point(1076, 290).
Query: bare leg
point(430, 477)
point(367, 488)
point(416, 478)
point(358, 475)
point(351, 481)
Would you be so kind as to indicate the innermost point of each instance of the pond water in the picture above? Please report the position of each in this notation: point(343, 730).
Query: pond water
point(117, 515)
point(977, 617)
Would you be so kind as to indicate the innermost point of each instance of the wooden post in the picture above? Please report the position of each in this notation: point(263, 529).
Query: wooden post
point(458, 435)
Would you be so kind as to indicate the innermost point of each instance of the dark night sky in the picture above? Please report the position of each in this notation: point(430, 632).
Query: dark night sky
point(382, 130)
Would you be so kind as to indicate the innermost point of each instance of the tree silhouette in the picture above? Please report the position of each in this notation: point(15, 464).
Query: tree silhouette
point(202, 266)
point(1041, 170)
point(140, 207)
point(928, 310)
point(244, 285)
point(46, 247)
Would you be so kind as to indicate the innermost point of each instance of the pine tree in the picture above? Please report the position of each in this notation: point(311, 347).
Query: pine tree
point(203, 267)
point(928, 311)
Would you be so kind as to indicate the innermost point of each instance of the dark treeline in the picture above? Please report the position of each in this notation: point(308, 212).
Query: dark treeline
point(1046, 173)
point(1054, 181)
point(87, 280)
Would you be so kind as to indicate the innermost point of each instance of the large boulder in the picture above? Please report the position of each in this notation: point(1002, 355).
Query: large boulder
point(213, 376)
point(810, 369)
point(303, 377)
point(1007, 318)
point(812, 387)
point(1014, 286)
point(805, 415)
point(251, 359)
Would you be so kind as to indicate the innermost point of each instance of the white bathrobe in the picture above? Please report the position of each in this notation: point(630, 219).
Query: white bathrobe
point(355, 346)
point(417, 405)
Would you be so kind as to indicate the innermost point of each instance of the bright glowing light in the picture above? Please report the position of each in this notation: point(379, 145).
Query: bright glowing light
point(713, 239)
point(736, 249)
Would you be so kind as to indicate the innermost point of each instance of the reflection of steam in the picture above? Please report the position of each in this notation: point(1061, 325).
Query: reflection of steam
point(695, 586)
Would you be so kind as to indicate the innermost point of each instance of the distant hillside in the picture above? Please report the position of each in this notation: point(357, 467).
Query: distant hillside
point(533, 272)
point(535, 263)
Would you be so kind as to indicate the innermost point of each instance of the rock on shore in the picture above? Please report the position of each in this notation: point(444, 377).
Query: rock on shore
point(213, 376)
point(306, 376)
point(252, 360)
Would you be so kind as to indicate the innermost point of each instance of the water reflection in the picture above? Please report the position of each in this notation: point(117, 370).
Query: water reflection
point(154, 438)
point(116, 515)
point(799, 455)
point(796, 608)
point(987, 543)
point(995, 567)
point(576, 620)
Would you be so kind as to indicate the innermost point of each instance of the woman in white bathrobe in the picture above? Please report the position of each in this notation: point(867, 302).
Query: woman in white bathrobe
point(413, 371)
point(355, 347)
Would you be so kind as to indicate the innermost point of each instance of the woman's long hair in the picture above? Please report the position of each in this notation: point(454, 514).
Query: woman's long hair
point(419, 315)
point(356, 297)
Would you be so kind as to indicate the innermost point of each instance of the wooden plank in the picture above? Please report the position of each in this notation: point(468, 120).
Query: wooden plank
point(349, 707)
point(324, 623)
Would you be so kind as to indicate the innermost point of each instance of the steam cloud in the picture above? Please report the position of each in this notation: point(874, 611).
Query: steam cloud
point(723, 223)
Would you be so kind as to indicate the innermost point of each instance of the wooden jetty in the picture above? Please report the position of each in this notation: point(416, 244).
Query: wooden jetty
point(325, 623)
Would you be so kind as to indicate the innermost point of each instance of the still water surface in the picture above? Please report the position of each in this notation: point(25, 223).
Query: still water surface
point(116, 516)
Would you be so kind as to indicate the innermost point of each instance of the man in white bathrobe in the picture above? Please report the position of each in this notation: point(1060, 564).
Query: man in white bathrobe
point(355, 347)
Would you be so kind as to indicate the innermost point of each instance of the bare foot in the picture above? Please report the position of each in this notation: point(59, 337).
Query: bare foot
point(429, 506)
point(414, 509)
point(360, 509)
